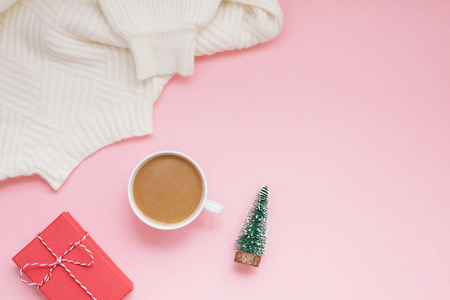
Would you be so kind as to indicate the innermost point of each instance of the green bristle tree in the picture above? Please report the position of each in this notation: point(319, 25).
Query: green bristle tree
point(251, 242)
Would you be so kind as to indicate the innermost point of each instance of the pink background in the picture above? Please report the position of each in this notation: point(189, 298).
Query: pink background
point(345, 116)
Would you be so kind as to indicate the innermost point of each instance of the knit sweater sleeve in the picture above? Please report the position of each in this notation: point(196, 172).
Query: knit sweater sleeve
point(240, 24)
point(161, 33)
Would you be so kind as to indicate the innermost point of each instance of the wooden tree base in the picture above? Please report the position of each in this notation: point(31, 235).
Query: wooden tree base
point(247, 258)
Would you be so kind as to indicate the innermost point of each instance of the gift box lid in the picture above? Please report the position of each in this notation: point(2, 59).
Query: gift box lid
point(103, 279)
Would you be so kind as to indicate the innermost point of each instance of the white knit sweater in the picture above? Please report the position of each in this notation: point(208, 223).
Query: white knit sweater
point(76, 76)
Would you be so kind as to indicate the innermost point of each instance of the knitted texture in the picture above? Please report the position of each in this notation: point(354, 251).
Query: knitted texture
point(76, 76)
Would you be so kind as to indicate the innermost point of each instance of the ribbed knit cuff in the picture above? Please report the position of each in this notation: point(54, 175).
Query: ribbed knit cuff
point(4, 4)
point(163, 49)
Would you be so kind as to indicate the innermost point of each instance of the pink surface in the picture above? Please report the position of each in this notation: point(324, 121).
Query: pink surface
point(345, 116)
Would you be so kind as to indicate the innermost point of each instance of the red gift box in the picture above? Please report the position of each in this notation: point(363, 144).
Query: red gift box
point(102, 278)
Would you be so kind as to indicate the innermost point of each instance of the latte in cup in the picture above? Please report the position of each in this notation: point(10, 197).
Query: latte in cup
point(168, 189)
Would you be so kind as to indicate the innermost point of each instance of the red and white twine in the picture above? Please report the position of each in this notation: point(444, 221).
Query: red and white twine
point(60, 260)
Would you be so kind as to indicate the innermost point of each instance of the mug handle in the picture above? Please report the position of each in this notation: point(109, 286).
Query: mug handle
point(213, 207)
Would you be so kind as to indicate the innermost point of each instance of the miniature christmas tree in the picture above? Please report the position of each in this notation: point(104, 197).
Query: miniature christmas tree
point(251, 242)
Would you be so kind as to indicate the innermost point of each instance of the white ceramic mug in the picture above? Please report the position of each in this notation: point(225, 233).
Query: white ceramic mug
point(205, 203)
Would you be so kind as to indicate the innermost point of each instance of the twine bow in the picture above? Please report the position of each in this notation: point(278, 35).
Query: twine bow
point(60, 260)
